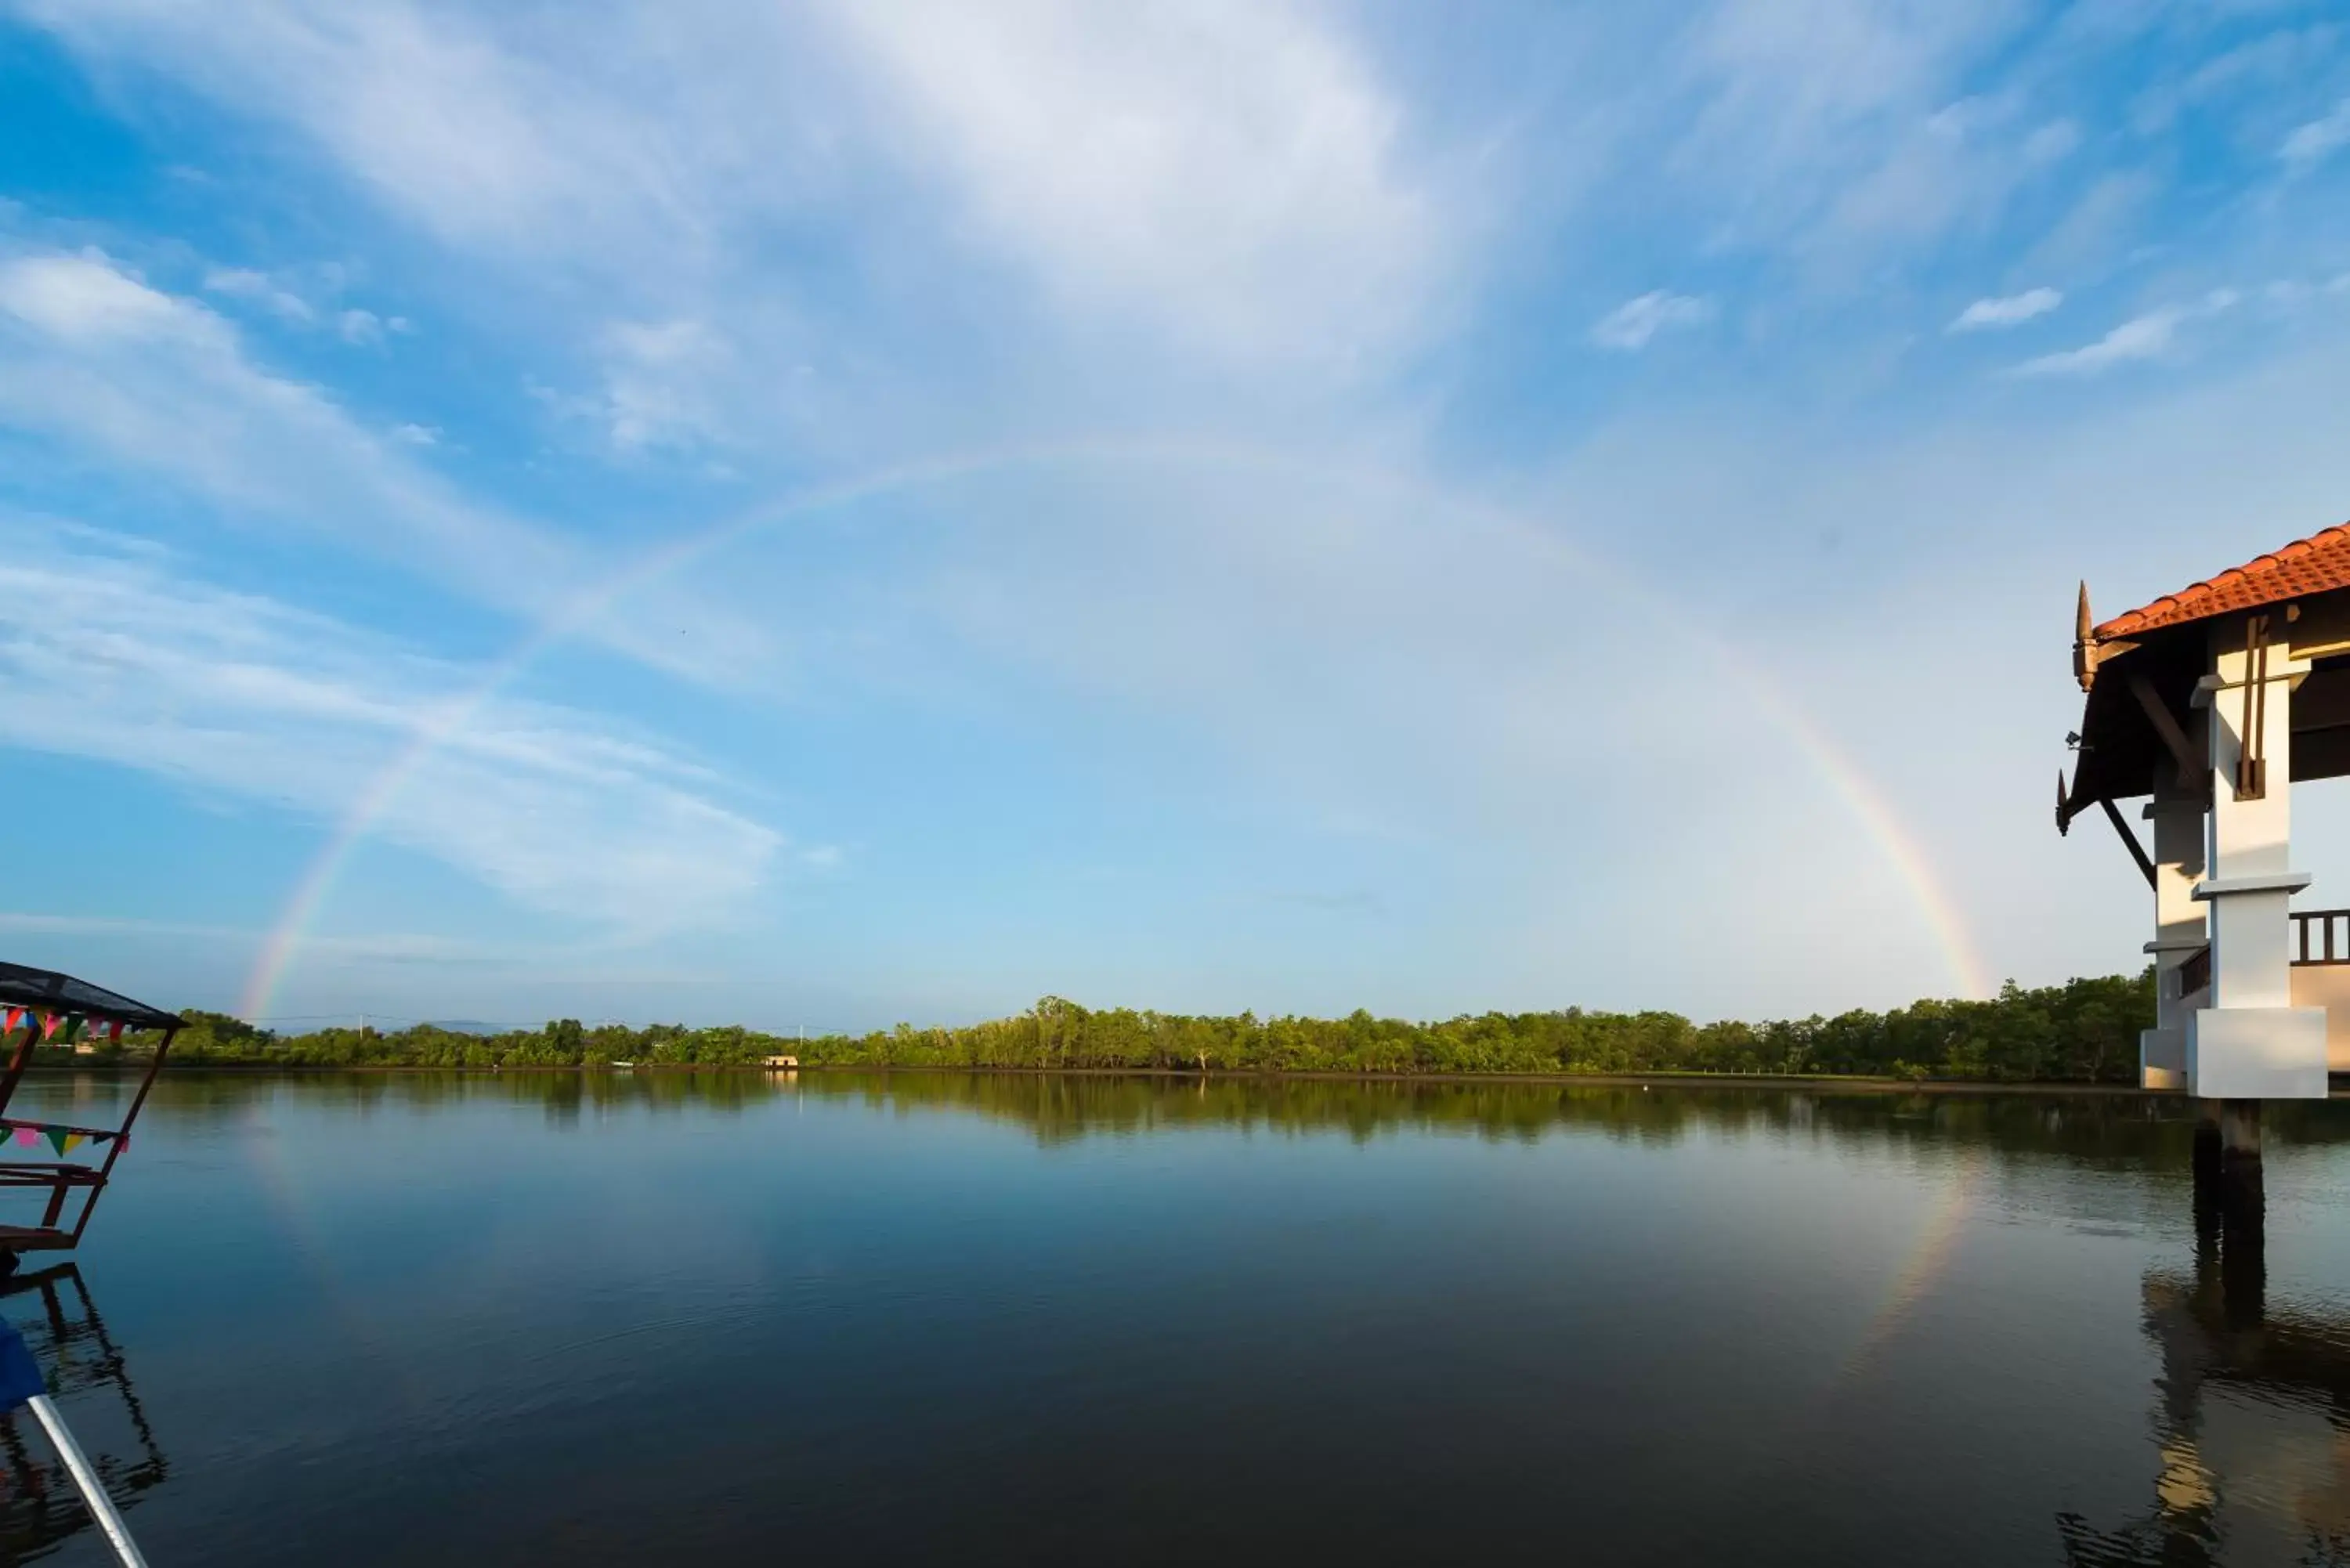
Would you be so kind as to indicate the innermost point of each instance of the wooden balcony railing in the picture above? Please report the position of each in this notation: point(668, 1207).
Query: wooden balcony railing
point(2316, 938)
point(2195, 974)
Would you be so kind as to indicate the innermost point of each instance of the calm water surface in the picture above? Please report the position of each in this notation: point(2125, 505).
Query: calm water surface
point(425, 1320)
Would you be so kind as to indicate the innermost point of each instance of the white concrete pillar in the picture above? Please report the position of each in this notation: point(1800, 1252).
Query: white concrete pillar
point(2181, 929)
point(2248, 1041)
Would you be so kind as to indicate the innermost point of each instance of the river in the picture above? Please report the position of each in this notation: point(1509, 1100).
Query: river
point(656, 1319)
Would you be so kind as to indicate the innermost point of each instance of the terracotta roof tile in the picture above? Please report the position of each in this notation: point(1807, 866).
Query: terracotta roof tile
point(2310, 565)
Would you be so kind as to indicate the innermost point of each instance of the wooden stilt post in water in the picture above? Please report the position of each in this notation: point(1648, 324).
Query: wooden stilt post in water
point(2243, 1214)
point(2207, 1152)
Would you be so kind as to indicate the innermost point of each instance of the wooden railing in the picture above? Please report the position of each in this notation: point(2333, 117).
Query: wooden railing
point(2314, 938)
point(2195, 974)
point(2319, 937)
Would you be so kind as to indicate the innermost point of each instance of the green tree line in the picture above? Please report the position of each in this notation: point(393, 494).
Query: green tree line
point(2084, 1031)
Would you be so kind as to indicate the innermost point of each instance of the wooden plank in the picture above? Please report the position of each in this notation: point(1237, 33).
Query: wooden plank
point(33, 1238)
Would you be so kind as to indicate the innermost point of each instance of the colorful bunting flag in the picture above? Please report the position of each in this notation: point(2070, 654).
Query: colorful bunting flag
point(74, 1141)
point(15, 1016)
point(29, 1136)
point(56, 1136)
point(114, 1030)
point(50, 1021)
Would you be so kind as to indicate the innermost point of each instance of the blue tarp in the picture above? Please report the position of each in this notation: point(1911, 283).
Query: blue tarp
point(20, 1379)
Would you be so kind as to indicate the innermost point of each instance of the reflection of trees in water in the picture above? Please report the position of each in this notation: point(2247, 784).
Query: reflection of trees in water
point(2093, 1131)
point(40, 1509)
point(2252, 1420)
point(2083, 1130)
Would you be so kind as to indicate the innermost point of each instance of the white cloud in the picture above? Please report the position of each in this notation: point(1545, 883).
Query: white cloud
point(2144, 337)
point(1844, 125)
point(104, 653)
point(1632, 324)
point(2052, 142)
point(657, 385)
point(288, 301)
point(1229, 175)
point(2008, 310)
point(1228, 171)
point(160, 385)
point(85, 300)
point(2318, 140)
point(424, 106)
point(1797, 72)
point(244, 282)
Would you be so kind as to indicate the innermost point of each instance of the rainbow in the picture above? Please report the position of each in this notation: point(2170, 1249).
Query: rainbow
point(1930, 1255)
point(279, 949)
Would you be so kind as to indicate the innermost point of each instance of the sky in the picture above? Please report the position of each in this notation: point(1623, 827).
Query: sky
point(827, 513)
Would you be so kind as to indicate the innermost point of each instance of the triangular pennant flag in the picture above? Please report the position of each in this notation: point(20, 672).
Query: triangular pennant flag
point(114, 1030)
point(72, 1029)
point(15, 1016)
point(74, 1141)
point(29, 1136)
point(56, 1136)
point(50, 1021)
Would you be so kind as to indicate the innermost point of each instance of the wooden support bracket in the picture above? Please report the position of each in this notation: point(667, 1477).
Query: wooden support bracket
point(2185, 753)
point(2137, 850)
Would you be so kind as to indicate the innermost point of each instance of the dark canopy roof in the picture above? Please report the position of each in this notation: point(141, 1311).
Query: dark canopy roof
point(53, 993)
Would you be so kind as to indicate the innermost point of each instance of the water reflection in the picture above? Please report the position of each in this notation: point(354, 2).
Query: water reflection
point(2251, 1416)
point(660, 1317)
point(87, 1376)
point(2110, 1130)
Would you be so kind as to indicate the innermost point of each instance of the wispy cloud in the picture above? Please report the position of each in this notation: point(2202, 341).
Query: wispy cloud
point(1229, 177)
point(107, 653)
point(657, 386)
point(1630, 325)
point(158, 383)
point(2319, 139)
point(1230, 170)
point(1844, 128)
point(2008, 310)
point(2144, 337)
point(280, 297)
point(244, 282)
point(426, 107)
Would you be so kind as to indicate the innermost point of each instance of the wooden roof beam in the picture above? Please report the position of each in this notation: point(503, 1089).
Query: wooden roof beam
point(2184, 752)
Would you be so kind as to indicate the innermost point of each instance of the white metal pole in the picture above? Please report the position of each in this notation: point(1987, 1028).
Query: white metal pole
point(101, 1506)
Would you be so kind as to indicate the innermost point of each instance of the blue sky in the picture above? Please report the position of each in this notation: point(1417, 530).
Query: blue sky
point(833, 512)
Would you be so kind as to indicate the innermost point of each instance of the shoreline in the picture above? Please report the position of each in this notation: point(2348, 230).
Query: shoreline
point(1850, 1083)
